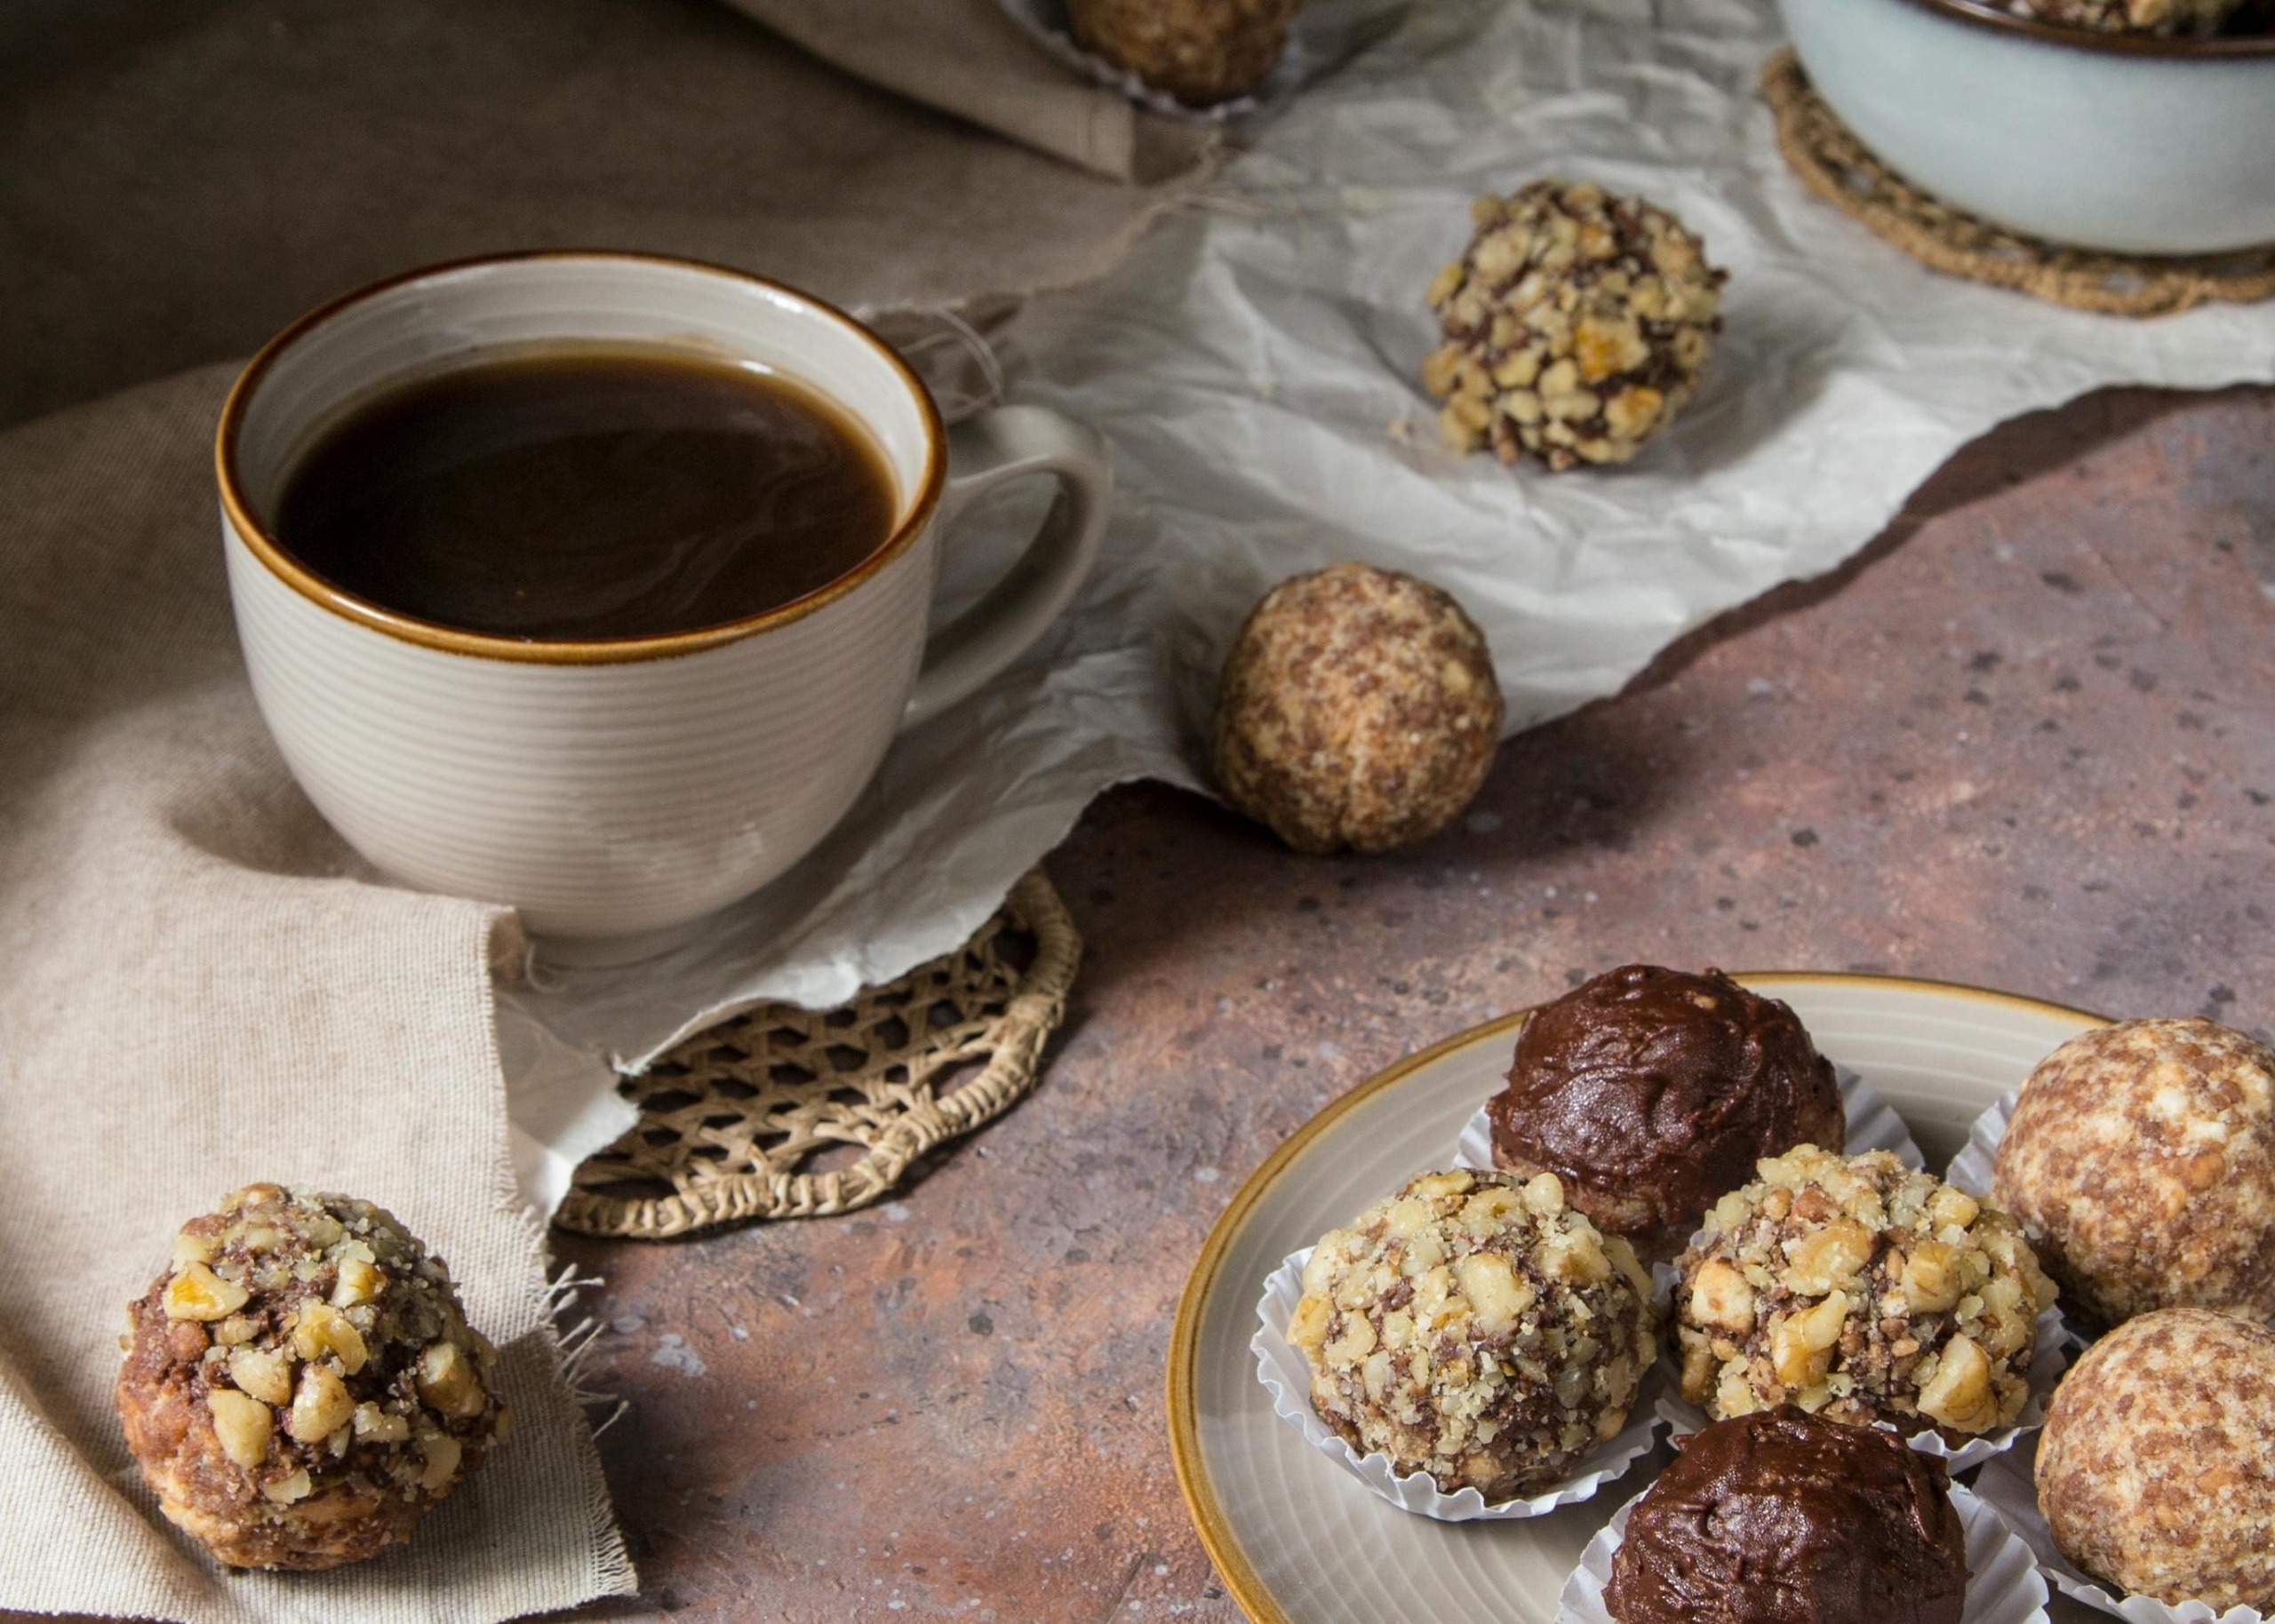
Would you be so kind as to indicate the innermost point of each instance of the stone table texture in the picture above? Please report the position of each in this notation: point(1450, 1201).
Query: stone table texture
point(2026, 739)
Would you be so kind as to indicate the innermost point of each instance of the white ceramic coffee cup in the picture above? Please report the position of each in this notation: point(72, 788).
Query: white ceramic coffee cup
point(616, 792)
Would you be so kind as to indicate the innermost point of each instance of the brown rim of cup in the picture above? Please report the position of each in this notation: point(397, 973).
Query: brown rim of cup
point(2214, 48)
point(592, 651)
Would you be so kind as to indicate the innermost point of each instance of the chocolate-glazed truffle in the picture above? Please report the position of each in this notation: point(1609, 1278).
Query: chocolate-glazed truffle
point(302, 1386)
point(1652, 1093)
point(1357, 708)
point(2156, 1468)
point(1862, 1291)
point(1576, 325)
point(2141, 1162)
point(1476, 1328)
point(1783, 1517)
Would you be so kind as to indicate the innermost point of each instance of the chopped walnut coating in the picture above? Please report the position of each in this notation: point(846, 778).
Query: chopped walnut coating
point(1475, 1328)
point(2141, 1162)
point(1201, 51)
point(302, 1386)
point(1858, 1289)
point(2160, 17)
point(1576, 325)
point(2156, 1468)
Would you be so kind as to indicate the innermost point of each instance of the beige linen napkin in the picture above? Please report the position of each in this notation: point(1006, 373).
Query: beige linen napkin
point(177, 181)
point(199, 986)
point(967, 58)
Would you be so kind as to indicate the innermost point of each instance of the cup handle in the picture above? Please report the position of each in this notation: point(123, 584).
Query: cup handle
point(1016, 443)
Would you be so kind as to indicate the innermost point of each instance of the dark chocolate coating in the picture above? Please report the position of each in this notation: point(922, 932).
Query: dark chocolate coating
point(1784, 1517)
point(1656, 1091)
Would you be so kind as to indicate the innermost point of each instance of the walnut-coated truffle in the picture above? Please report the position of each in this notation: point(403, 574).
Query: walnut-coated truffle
point(1785, 1517)
point(1862, 1291)
point(2141, 1162)
point(302, 1386)
point(1576, 325)
point(2163, 18)
point(1358, 708)
point(1475, 1328)
point(1652, 1093)
point(2156, 1468)
point(1201, 51)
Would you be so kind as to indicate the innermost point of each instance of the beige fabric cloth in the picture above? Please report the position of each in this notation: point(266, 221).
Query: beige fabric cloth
point(177, 181)
point(967, 58)
point(199, 987)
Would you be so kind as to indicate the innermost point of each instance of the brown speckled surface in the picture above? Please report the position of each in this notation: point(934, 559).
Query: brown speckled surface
point(2027, 739)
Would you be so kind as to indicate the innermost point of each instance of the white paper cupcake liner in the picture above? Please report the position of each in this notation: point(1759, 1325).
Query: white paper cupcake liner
point(2007, 1484)
point(2049, 1360)
point(1970, 1169)
point(1872, 1126)
point(1286, 1374)
point(2003, 1586)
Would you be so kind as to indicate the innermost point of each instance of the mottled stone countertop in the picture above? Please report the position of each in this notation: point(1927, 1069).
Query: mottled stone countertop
point(2026, 739)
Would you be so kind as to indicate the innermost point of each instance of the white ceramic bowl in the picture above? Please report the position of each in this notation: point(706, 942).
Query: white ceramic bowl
point(2135, 146)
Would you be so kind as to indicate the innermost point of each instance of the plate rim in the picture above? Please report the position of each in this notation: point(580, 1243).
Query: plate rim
point(1225, 1556)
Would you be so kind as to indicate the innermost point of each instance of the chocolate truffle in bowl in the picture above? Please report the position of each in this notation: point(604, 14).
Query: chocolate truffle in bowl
point(2158, 19)
point(1199, 52)
point(301, 1387)
point(1862, 1291)
point(1652, 1093)
point(1784, 1517)
point(1358, 708)
point(1576, 325)
point(1475, 1328)
point(2140, 1160)
point(2156, 1468)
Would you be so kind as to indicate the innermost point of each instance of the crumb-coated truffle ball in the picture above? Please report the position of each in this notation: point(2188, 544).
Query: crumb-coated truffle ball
point(1784, 1517)
point(1652, 1093)
point(302, 1386)
point(1862, 1291)
point(2156, 1468)
point(1576, 325)
point(1358, 708)
point(2140, 1160)
point(1201, 51)
point(2159, 18)
point(1475, 1328)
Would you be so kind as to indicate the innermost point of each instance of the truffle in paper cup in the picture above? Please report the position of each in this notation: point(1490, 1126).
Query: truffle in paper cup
point(2008, 1486)
point(1046, 22)
point(1287, 1376)
point(1872, 1126)
point(2049, 1360)
point(2003, 1584)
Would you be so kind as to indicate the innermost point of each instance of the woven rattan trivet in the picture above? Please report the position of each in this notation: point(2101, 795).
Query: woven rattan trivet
point(1837, 167)
point(731, 1119)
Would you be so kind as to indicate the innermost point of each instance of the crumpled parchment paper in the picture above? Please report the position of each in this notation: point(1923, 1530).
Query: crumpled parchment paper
point(1254, 366)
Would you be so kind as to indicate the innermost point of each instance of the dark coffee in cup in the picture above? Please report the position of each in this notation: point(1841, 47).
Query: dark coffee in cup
point(589, 492)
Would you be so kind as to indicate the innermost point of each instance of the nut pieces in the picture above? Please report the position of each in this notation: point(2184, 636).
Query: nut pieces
point(1576, 325)
point(2158, 17)
point(1201, 51)
point(1860, 1290)
point(1475, 1328)
point(302, 1386)
point(1359, 707)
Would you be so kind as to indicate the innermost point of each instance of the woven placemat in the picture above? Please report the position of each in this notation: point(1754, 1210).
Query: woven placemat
point(1836, 166)
point(731, 1120)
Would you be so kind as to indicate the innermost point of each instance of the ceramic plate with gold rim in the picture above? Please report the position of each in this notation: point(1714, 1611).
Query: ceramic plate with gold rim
point(1299, 1542)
